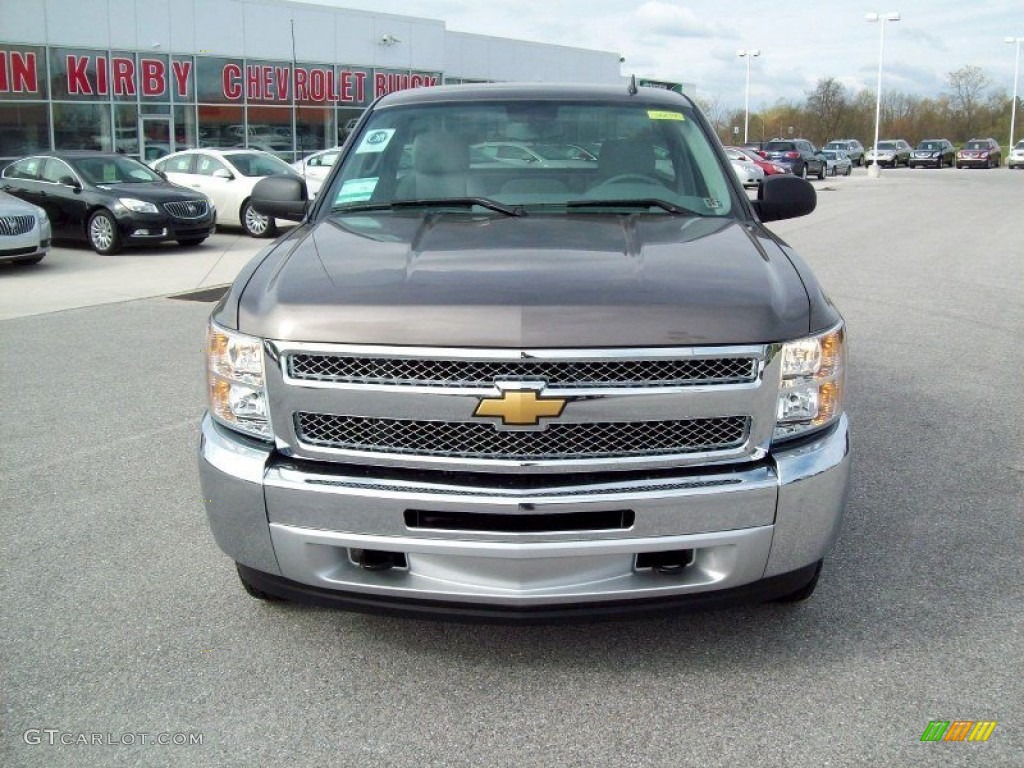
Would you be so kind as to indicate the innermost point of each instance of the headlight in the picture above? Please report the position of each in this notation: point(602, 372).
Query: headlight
point(138, 206)
point(813, 377)
point(238, 396)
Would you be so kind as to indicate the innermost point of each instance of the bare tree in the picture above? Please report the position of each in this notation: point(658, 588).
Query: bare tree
point(967, 87)
point(827, 105)
point(715, 111)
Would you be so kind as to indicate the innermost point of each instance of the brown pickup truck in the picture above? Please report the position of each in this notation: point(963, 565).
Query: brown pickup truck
point(579, 381)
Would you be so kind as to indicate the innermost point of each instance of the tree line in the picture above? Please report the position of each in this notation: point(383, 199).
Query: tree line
point(968, 107)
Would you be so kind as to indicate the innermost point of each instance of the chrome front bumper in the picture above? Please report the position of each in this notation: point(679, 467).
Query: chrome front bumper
point(301, 521)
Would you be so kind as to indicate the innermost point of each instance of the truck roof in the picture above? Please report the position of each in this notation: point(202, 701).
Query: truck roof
point(532, 92)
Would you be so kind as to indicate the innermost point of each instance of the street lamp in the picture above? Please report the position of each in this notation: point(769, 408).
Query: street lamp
point(748, 55)
point(1016, 70)
point(875, 169)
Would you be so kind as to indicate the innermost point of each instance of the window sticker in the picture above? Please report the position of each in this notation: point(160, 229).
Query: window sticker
point(658, 114)
point(356, 190)
point(712, 203)
point(375, 141)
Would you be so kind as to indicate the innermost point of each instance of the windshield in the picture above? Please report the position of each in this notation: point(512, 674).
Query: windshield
point(779, 146)
point(256, 164)
point(113, 170)
point(836, 145)
point(632, 156)
point(929, 145)
point(976, 145)
point(887, 145)
point(1019, 145)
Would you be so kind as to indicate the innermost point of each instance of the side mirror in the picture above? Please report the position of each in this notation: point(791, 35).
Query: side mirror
point(223, 173)
point(160, 173)
point(282, 197)
point(784, 197)
point(69, 181)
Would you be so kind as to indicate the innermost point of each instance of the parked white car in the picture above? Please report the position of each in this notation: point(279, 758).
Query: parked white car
point(1016, 158)
point(24, 231)
point(227, 177)
point(316, 167)
point(749, 174)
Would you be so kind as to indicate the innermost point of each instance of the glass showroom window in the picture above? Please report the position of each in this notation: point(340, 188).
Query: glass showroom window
point(24, 129)
point(270, 129)
point(221, 126)
point(314, 128)
point(82, 126)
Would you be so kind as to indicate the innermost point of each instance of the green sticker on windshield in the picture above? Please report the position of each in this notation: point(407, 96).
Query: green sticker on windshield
point(356, 190)
point(658, 114)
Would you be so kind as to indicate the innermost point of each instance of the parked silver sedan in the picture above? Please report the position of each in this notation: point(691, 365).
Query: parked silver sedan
point(24, 231)
point(749, 174)
point(839, 163)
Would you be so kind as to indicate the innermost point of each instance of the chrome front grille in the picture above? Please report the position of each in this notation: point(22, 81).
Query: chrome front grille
point(187, 209)
point(16, 225)
point(559, 441)
point(424, 372)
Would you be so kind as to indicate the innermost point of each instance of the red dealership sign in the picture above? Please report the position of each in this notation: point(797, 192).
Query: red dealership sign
point(88, 74)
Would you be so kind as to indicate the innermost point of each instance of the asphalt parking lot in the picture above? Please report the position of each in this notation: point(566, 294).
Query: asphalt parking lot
point(119, 616)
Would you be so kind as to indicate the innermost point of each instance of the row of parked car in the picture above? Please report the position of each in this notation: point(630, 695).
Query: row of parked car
point(112, 200)
point(939, 153)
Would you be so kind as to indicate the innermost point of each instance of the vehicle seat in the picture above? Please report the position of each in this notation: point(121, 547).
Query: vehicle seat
point(625, 156)
point(440, 168)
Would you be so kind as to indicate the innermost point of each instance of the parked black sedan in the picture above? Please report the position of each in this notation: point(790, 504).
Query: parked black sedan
point(109, 200)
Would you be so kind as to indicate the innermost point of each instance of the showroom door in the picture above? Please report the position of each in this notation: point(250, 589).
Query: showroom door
point(154, 137)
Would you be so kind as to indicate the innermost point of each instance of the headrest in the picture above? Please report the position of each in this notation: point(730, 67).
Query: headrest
point(439, 153)
point(619, 156)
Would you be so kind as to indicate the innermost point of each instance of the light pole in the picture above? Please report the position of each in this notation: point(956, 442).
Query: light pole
point(748, 55)
point(1016, 71)
point(881, 18)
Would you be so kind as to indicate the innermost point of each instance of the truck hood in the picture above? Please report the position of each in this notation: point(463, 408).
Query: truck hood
point(517, 282)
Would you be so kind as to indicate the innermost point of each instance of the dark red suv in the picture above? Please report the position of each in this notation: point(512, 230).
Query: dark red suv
point(980, 153)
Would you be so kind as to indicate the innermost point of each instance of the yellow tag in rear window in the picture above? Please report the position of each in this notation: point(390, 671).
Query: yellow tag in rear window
point(657, 114)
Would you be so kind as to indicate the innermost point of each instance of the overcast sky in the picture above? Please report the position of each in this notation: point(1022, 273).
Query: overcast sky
point(800, 40)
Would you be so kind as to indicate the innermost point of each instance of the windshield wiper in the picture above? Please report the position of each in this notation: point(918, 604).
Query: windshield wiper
point(430, 202)
point(644, 202)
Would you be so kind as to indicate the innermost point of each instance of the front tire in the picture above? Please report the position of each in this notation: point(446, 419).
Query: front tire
point(822, 171)
point(103, 234)
point(849, 169)
point(256, 224)
point(803, 171)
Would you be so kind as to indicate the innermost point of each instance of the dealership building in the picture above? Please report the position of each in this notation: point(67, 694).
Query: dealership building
point(146, 77)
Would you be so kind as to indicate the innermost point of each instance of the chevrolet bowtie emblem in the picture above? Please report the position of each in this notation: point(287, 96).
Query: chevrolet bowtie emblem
point(520, 408)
